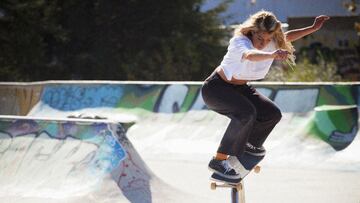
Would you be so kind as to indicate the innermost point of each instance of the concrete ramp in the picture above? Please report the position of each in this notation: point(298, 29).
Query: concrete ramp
point(74, 160)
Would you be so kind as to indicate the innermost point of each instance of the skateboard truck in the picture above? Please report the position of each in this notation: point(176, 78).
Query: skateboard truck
point(237, 186)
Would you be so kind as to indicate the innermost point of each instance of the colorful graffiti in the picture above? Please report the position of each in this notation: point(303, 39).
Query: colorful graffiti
point(175, 98)
point(171, 98)
point(106, 155)
point(336, 125)
point(74, 97)
point(58, 154)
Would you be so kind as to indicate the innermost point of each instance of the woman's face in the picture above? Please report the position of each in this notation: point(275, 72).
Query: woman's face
point(260, 39)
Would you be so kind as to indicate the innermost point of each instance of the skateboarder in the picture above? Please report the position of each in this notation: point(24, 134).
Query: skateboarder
point(251, 51)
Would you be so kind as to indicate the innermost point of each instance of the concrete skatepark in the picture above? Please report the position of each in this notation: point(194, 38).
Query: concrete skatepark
point(105, 141)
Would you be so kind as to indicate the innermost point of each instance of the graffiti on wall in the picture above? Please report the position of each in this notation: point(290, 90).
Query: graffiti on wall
point(42, 156)
point(60, 152)
point(335, 124)
point(74, 97)
point(180, 98)
point(173, 98)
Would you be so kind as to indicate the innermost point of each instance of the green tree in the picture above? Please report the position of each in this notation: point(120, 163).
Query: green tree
point(118, 40)
point(27, 33)
point(305, 71)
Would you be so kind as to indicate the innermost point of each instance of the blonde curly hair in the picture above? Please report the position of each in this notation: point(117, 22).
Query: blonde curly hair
point(267, 22)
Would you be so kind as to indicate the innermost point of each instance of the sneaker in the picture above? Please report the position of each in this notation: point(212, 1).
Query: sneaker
point(223, 168)
point(256, 151)
point(237, 166)
point(218, 178)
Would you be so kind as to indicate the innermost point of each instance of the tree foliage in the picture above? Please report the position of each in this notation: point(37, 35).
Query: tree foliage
point(305, 72)
point(314, 64)
point(116, 40)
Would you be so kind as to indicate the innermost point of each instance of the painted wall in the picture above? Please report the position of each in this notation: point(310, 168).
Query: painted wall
point(171, 98)
point(18, 99)
point(164, 97)
point(69, 158)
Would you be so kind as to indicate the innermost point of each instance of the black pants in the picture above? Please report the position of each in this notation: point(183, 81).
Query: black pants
point(253, 116)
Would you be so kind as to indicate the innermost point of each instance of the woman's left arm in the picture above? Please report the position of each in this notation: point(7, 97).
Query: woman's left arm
point(296, 34)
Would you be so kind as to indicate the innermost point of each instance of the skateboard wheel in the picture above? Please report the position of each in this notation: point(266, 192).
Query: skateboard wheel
point(213, 186)
point(239, 187)
point(257, 169)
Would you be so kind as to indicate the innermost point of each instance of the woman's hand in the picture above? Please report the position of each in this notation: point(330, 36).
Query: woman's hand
point(319, 21)
point(280, 54)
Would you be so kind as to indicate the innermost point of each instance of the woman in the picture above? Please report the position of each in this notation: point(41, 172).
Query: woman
point(256, 43)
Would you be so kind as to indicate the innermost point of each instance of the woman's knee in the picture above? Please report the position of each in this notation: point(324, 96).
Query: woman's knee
point(277, 115)
point(272, 115)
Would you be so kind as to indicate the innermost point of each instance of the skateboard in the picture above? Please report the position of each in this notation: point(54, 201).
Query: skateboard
point(245, 164)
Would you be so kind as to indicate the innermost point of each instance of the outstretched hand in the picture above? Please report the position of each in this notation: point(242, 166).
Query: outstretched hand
point(280, 54)
point(319, 21)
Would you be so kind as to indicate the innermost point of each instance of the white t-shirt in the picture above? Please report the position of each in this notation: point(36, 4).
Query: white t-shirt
point(242, 69)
